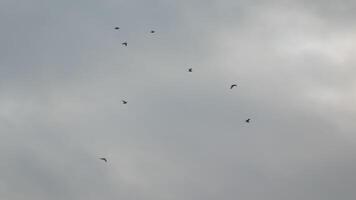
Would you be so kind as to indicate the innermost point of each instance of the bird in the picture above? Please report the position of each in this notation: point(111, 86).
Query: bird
point(124, 43)
point(232, 86)
point(248, 120)
point(190, 70)
point(152, 31)
point(104, 159)
point(124, 102)
point(117, 28)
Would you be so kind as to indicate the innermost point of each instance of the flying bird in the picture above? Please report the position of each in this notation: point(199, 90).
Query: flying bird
point(248, 120)
point(104, 159)
point(190, 70)
point(124, 102)
point(117, 28)
point(232, 86)
point(124, 43)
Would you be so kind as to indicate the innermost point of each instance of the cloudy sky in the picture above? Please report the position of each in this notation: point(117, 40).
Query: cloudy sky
point(64, 72)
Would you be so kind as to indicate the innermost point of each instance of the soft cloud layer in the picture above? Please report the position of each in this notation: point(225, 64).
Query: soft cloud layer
point(182, 135)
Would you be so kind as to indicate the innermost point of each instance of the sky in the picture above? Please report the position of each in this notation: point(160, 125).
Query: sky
point(64, 73)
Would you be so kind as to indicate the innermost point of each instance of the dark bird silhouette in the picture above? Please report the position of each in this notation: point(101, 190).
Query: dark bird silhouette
point(248, 120)
point(232, 86)
point(124, 102)
point(104, 159)
point(190, 70)
point(124, 43)
point(117, 28)
point(152, 31)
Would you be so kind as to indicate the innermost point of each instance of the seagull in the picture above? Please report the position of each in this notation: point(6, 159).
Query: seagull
point(232, 86)
point(248, 120)
point(117, 28)
point(104, 159)
point(152, 31)
point(124, 43)
point(124, 102)
point(190, 70)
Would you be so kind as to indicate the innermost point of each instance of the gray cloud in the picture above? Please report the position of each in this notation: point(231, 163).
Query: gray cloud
point(182, 135)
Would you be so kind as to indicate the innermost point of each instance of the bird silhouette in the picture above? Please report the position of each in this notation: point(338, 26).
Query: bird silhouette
point(248, 120)
point(104, 159)
point(232, 86)
point(117, 28)
point(190, 70)
point(124, 102)
point(152, 31)
point(124, 43)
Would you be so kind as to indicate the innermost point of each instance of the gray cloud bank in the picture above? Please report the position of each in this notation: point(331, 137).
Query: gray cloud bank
point(63, 74)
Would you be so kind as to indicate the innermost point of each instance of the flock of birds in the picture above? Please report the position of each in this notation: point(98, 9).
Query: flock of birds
point(189, 70)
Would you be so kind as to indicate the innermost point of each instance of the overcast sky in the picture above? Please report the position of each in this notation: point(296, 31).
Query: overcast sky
point(182, 136)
